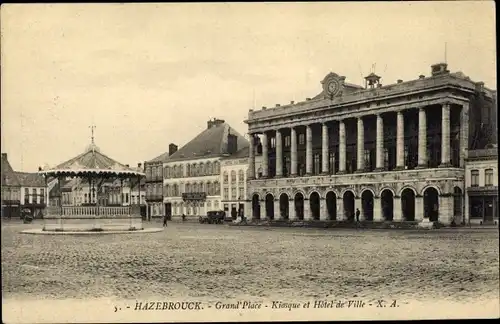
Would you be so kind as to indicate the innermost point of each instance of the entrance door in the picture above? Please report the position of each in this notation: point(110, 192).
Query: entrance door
point(488, 210)
point(168, 210)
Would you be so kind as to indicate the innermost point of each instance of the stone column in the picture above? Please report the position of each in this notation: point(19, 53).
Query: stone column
point(377, 210)
point(265, 156)
point(323, 210)
point(422, 139)
point(307, 210)
point(419, 208)
point(251, 158)
point(277, 211)
point(361, 146)
point(379, 166)
point(445, 136)
point(446, 209)
point(263, 212)
point(309, 157)
point(279, 154)
point(293, 152)
point(248, 210)
point(324, 149)
point(291, 210)
point(464, 134)
point(340, 209)
point(400, 142)
point(397, 211)
point(342, 147)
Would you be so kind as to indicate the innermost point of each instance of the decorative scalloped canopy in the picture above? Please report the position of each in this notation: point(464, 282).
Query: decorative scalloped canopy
point(91, 162)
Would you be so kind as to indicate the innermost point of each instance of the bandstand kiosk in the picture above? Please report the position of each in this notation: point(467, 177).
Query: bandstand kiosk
point(94, 168)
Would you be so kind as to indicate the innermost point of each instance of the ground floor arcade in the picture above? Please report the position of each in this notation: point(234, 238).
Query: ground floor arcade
point(386, 205)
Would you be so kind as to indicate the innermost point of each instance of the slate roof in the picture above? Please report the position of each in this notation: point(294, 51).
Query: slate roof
point(212, 142)
point(91, 161)
point(30, 179)
point(9, 177)
point(242, 153)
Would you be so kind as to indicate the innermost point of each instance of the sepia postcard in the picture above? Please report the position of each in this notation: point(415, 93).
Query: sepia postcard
point(227, 162)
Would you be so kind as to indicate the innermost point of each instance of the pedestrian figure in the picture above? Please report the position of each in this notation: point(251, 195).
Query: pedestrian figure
point(183, 217)
point(357, 215)
point(165, 221)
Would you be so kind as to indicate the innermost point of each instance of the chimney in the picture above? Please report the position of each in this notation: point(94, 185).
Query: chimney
point(4, 156)
point(440, 68)
point(139, 165)
point(264, 107)
point(292, 102)
point(214, 122)
point(421, 76)
point(39, 168)
point(277, 105)
point(400, 81)
point(307, 99)
point(172, 148)
point(127, 165)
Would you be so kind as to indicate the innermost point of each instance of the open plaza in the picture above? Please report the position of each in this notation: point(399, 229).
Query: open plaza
point(221, 262)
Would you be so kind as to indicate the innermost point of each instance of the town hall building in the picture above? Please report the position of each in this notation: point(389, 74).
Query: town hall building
point(397, 152)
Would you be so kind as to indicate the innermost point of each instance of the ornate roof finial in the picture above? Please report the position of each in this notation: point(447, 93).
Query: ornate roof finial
point(92, 143)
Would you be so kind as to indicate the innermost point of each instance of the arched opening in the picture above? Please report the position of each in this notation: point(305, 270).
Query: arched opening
point(457, 205)
point(284, 206)
point(431, 204)
point(299, 205)
point(314, 202)
point(331, 205)
point(387, 202)
point(348, 200)
point(367, 205)
point(255, 207)
point(408, 204)
point(269, 206)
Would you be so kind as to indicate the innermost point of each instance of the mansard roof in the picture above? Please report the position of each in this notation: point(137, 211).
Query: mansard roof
point(212, 142)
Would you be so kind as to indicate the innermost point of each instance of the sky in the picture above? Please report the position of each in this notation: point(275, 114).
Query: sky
point(147, 75)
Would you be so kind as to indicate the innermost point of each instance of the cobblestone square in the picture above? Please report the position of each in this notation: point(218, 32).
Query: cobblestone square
point(191, 260)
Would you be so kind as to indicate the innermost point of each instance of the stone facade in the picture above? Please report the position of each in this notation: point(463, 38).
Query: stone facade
point(396, 152)
point(481, 186)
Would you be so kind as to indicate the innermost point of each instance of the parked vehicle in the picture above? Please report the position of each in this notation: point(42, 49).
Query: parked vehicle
point(213, 217)
point(27, 216)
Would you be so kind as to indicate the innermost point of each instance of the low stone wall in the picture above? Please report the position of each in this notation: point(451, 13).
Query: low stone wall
point(124, 223)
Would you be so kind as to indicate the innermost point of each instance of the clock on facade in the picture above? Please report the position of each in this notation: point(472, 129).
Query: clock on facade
point(333, 87)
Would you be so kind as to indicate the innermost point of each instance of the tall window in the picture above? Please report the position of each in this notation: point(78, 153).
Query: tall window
point(302, 139)
point(317, 163)
point(34, 196)
point(42, 196)
point(226, 194)
point(367, 160)
point(287, 141)
point(225, 177)
point(259, 173)
point(233, 177)
point(241, 176)
point(488, 177)
point(286, 170)
point(331, 163)
point(273, 142)
point(474, 178)
point(26, 196)
point(233, 193)
point(241, 193)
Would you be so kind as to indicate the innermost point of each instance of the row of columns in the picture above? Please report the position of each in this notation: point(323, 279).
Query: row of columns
point(400, 164)
point(445, 209)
